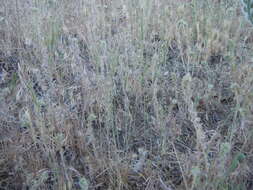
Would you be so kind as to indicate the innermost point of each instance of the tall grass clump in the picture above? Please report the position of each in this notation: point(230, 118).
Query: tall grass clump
point(124, 94)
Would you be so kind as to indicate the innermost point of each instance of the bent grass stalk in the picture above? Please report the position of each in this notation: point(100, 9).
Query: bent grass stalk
point(247, 9)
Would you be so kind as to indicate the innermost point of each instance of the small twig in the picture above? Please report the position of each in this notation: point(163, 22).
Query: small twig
point(163, 185)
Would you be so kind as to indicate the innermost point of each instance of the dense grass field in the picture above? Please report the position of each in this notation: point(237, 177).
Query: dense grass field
point(125, 95)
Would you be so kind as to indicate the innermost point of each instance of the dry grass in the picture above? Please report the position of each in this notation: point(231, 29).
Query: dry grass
point(125, 94)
